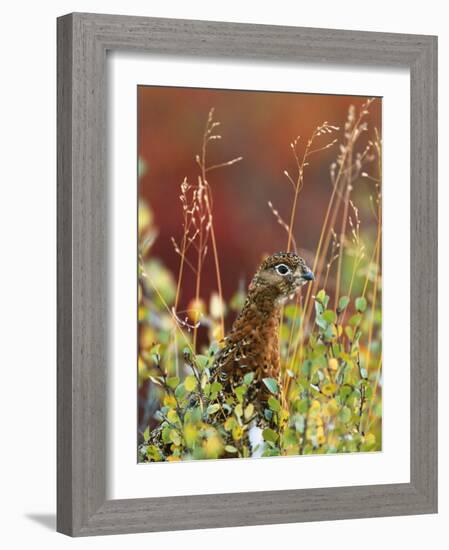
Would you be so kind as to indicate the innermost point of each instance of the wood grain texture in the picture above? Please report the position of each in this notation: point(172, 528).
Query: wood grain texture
point(83, 40)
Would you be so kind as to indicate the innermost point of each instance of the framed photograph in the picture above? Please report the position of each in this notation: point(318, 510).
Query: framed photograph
point(247, 274)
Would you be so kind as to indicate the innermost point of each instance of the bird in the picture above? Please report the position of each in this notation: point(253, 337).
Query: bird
point(252, 344)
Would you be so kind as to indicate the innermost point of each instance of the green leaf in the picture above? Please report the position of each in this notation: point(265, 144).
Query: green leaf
point(153, 453)
point(355, 396)
point(290, 437)
point(305, 367)
point(302, 406)
point(344, 392)
point(319, 308)
point(360, 304)
point(271, 384)
point(248, 378)
point(240, 392)
point(330, 333)
point(329, 316)
point(201, 361)
point(175, 437)
point(146, 434)
point(212, 409)
point(172, 416)
point(214, 348)
point(321, 323)
point(172, 382)
point(166, 435)
point(300, 423)
point(343, 303)
point(355, 319)
point(363, 373)
point(195, 415)
point(215, 388)
point(270, 435)
point(321, 296)
point(231, 449)
point(180, 391)
point(345, 415)
point(156, 349)
point(274, 404)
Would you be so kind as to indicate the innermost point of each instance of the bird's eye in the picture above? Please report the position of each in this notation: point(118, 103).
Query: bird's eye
point(282, 269)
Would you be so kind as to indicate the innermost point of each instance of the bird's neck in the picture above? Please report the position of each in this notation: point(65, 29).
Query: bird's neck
point(261, 305)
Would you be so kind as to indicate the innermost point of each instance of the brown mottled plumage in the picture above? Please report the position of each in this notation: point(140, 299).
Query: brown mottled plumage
point(253, 343)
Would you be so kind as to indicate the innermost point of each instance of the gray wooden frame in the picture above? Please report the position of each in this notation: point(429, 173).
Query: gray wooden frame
point(83, 40)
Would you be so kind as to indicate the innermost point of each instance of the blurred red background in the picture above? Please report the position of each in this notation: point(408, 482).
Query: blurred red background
point(259, 126)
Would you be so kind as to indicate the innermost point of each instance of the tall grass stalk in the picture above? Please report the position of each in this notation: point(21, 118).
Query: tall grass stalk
point(342, 182)
point(301, 163)
point(352, 133)
point(209, 136)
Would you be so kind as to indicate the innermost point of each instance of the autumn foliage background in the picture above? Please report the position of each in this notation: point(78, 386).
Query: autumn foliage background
point(266, 197)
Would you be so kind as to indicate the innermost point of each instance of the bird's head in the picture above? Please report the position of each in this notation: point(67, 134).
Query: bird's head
point(282, 274)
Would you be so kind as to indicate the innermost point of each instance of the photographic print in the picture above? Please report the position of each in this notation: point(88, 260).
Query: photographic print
point(259, 274)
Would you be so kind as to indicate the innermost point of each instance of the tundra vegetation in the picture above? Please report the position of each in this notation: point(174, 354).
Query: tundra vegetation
point(328, 399)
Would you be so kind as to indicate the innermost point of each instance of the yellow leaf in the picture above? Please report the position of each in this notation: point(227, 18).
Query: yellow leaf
point(141, 365)
point(321, 439)
point(333, 363)
point(175, 437)
point(229, 424)
point(217, 333)
point(173, 458)
point(169, 401)
point(146, 338)
point(144, 216)
point(328, 389)
point(332, 406)
point(190, 435)
point(249, 411)
point(172, 416)
point(142, 313)
point(293, 393)
point(196, 309)
point(283, 417)
point(213, 446)
point(237, 433)
point(190, 383)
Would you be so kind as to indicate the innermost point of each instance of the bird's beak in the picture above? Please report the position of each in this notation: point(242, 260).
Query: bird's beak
point(308, 276)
